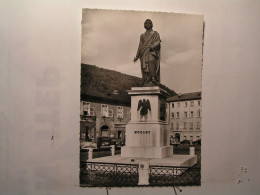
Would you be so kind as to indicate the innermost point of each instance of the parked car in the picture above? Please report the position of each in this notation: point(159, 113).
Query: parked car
point(185, 142)
point(197, 142)
point(103, 142)
point(117, 142)
point(87, 144)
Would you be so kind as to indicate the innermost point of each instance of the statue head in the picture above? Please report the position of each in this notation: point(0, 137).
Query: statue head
point(148, 24)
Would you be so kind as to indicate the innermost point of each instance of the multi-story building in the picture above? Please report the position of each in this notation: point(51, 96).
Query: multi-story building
point(103, 119)
point(185, 116)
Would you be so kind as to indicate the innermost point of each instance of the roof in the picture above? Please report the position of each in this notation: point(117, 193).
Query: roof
point(185, 96)
point(109, 86)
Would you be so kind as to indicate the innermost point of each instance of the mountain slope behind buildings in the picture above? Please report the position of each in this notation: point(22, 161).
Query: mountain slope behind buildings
point(99, 84)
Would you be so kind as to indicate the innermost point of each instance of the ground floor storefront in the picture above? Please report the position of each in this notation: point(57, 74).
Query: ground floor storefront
point(91, 129)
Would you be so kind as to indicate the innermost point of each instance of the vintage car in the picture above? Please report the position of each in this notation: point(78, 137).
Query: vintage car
point(117, 142)
point(197, 142)
point(185, 142)
point(104, 142)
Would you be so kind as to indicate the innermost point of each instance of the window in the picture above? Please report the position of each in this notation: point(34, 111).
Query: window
point(185, 114)
point(191, 125)
point(191, 114)
point(198, 103)
point(130, 114)
point(184, 125)
point(171, 125)
point(87, 110)
point(110, 113)
point(85, 104)
point(198, 113)
point(177, 125)
point(186, 104)
point(192, 103)
point(120, 112)
point(92, 113)
point(104, 110)
point(87, 132)
point(177, 115)
point(178, 104)
point(172, 114)
point(198, 125)
point(172, 105)
point(185, 137)
point(83, 136)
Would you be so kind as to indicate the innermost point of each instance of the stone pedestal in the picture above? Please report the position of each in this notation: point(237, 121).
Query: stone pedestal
point(147, 135)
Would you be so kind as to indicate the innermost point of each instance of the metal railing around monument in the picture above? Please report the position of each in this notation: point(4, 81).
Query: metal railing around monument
point(94, 174)
point(186, 151)
point(101, 152)
point(110, 174)
point(178, 176)
point(83, 155)
point(117, 150)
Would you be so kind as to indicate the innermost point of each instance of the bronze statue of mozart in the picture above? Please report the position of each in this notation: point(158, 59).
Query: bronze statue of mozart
point(149, 54)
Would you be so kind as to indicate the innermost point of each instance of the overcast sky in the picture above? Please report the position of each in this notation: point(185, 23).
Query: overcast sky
point(110, 40)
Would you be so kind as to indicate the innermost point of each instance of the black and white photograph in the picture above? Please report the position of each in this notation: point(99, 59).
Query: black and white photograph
point(140, 98)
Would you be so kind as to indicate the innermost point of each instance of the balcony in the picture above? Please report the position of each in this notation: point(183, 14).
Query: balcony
point(87, 118)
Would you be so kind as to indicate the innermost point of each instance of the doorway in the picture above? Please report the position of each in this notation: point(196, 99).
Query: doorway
point(177, 137)
point(105, 132)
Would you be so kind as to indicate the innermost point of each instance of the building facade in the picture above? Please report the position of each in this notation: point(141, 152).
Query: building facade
point(184, 119)
point(99, 119)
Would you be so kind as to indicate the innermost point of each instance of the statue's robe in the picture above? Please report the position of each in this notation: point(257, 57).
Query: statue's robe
point(150, 58)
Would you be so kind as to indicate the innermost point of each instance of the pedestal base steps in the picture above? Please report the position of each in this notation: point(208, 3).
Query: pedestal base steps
point(173, 160)
point(146, 152)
